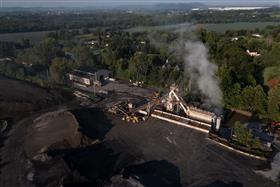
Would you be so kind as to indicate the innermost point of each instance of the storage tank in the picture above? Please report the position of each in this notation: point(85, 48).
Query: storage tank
point(200, 115)
point(218, 123)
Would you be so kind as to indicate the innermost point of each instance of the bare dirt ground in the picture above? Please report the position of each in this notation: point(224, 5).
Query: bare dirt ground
point(18, 98)
point(20, 103)
point(19, 143)
point(59, 127)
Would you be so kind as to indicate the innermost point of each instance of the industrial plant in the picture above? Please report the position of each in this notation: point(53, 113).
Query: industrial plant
point(172, 108)
point(155, 94)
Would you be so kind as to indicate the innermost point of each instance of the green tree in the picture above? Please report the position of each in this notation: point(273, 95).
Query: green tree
point(254, 99)
point(47, 50)
point(274, 103)
point(272, 56)
point(83, 56)
point(256, 143)
point(59, 69)
point(139, 67)
point(7, 49)
point(260, 100)
point(242, 134)
point(121, 68)
point(109, 58)
point(271, 72)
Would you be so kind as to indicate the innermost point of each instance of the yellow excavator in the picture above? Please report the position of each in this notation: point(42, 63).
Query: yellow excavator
point(129, 117)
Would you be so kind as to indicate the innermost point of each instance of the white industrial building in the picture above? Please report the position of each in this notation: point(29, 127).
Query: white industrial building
point(89, 78)
point(252, 53)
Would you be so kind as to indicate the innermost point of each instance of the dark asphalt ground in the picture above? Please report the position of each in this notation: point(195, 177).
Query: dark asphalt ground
point(152, 149)
point(200, 162)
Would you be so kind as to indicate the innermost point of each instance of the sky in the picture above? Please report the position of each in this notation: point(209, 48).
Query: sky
point(85, 3)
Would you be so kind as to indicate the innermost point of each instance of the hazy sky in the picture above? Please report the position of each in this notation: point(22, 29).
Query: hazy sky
point(82, 3)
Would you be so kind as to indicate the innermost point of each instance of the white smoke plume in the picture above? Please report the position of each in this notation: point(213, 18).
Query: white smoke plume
point(202, 73)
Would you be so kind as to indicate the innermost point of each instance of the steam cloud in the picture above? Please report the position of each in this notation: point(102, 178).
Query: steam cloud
point(202, 73)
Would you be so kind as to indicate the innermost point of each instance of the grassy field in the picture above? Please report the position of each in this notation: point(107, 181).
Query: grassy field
point(174, 27)
point(222, 27)
point(35, 37)
point(219, 27)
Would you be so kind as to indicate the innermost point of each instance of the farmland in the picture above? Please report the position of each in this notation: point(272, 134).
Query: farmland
point(38, 36)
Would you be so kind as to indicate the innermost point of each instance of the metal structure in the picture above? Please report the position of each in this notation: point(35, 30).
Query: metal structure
point(173, 109)
point(174, 103)
point(123, 109)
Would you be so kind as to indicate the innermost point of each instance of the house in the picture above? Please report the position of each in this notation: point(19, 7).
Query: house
point(257, 35)
point(234, 39)
point(252, 54)
point(143, 42)
point(89, 78)
point(272, 83)
point(6, 59)
point(92, 42)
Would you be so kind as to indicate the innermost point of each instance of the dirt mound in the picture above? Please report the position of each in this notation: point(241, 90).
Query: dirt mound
point(18, 98)
point(93, 122)
point(53, 130)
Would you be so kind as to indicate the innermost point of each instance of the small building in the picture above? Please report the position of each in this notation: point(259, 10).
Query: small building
point(6, 59)
point(272, 83)
point(252, 53)
point(89, 78)
point(92, 42)
point(257, 35)
point(143, 42)
point(234, 39)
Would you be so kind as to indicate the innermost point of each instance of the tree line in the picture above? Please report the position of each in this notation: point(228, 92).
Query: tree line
point(44, 21)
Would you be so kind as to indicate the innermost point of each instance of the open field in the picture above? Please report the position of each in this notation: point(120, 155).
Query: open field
point(35, 37)
point(173, 27)
point(222, 27)
point(217, 27)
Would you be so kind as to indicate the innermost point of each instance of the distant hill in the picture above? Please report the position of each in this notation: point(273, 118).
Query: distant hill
point(161, 6)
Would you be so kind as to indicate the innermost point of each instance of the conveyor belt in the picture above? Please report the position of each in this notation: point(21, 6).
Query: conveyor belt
point(183, 121)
